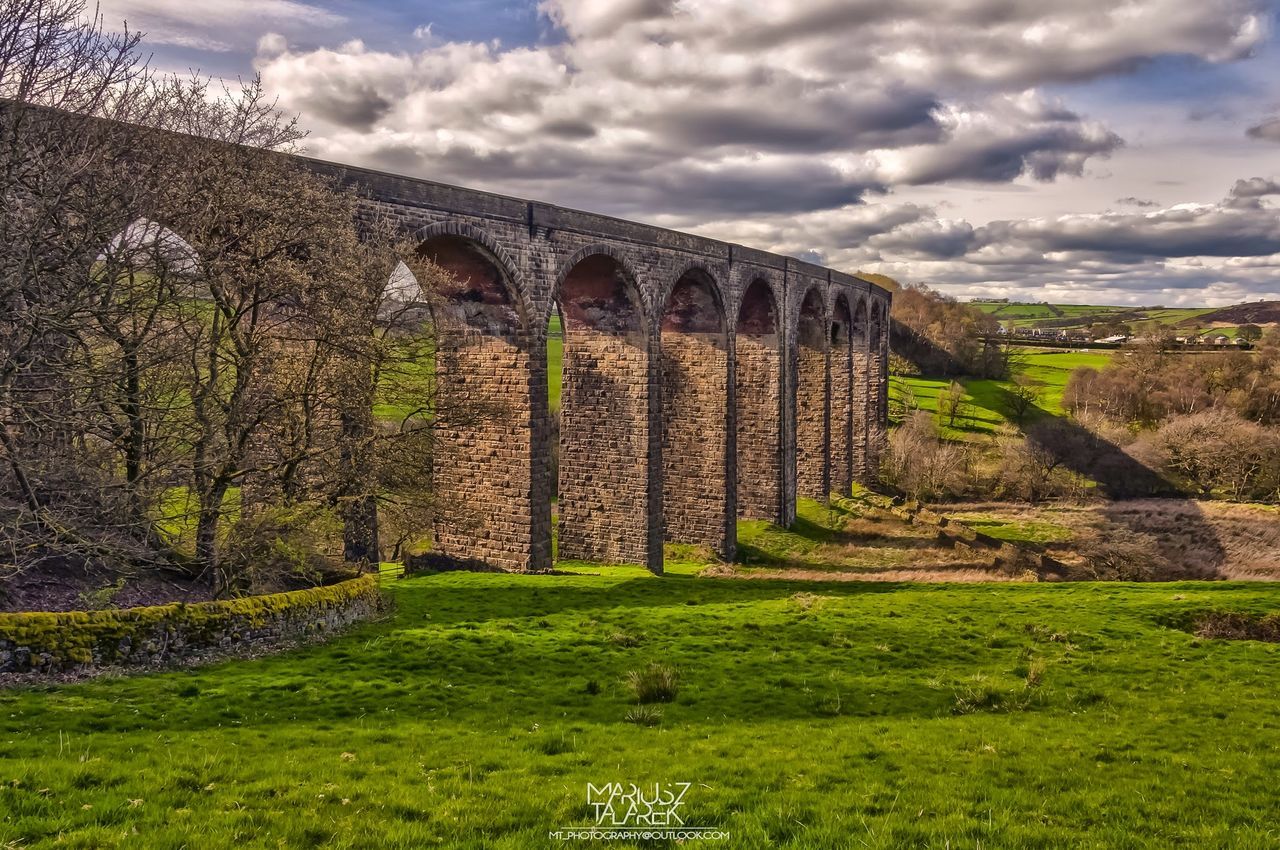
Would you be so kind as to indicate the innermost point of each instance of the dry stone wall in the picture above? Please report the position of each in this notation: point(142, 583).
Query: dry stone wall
point(84, 642)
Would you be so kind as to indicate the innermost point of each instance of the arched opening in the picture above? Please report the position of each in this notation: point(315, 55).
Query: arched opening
point(482, 411)
point(758, 396)
point(604, 417)
point(694, 380)
point(812, 421)
point(131, 387)
point(841, 369)
point(860, 394)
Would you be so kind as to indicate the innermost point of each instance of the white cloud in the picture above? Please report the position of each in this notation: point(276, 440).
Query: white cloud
point(218, 26)
point(785, 124)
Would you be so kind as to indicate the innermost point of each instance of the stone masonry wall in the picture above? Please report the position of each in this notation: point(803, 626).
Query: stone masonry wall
point(694, 422)
point(758, 382)
point(841, 418)
point(878, 399)
point(860, 417)
point(483, 456)
point(85, 642)
point(812, 474)
point(604, 447)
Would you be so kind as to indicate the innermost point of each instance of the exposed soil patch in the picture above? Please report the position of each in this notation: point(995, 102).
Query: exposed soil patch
point(1228, 625)
point(1143, 539)
point(63, 586)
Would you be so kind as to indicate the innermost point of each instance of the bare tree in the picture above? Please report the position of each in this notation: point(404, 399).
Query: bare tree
point(951, 404)
point(65, 195)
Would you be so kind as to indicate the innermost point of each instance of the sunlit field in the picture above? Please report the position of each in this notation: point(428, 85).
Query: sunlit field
point(807, 715)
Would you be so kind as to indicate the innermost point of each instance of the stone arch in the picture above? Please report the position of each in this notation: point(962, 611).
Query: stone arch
point(694, 379)
point(758, 398)
point(150, 246)
point(477, 292)
point(812, 411)
point(605, 482)
point(635, 293)
point(483, 407)
point(841, 394)
point(697, 271)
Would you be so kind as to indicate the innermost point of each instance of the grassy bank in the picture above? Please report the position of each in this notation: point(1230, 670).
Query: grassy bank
point(808, 715)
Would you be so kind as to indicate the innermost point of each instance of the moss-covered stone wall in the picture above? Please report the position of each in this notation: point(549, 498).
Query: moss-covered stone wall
point(82, 641)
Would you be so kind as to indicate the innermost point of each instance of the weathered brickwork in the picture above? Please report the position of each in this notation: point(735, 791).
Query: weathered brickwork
point(861, 397)
point(877, 389)
point(695, 374)
point(841, 371)
point(758, 406)
point(813, 471)
point(604, 448)
point(482, 456)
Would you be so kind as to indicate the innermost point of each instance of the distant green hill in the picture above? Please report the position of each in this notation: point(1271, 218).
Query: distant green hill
point(1017, 314)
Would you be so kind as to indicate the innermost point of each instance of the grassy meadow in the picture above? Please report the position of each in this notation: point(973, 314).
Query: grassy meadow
point(808, 715)
point(985, 408)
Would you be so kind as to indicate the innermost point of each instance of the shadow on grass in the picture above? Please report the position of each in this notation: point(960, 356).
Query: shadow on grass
point(1120, 477)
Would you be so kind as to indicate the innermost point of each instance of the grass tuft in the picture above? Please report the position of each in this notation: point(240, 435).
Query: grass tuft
point(644, 715)
point(654, 683)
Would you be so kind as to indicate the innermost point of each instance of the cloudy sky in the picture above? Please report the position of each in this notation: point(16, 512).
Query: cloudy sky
point(1096, 151)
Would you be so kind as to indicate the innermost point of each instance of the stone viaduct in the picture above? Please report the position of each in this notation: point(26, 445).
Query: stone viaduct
point(703, 381)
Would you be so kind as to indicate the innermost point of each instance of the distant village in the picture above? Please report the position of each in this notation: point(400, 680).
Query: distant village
point(1208, 339)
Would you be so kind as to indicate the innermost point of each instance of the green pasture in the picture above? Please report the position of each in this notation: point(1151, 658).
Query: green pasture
point(1020, 315)
point(808, 715)
point(985, 406)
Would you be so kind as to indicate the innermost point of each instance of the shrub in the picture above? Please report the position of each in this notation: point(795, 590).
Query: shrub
point(654, 683)
point(1118, 554)
point(1218, 452)
point(920, 464)
point(280, 549)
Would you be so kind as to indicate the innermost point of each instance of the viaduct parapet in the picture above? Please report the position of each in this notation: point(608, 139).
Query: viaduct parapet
point(703, 381)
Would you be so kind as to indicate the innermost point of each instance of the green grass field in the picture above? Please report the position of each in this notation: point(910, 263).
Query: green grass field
point(985, 406)
point(809, 715)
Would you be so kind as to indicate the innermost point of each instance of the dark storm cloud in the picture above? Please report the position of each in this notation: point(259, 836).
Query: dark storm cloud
point(1006, 151)
point(1131, 201)
point(569, 129)
point(1268, 130)
point(1255, 187)
point(1212, 231)
point(357, 108)
point(833, 122)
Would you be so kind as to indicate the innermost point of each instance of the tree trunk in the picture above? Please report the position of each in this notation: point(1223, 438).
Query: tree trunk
point(210, 514)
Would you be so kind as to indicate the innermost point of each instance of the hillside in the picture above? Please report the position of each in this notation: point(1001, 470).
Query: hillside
point(1109, 319)
point(1255, 313)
